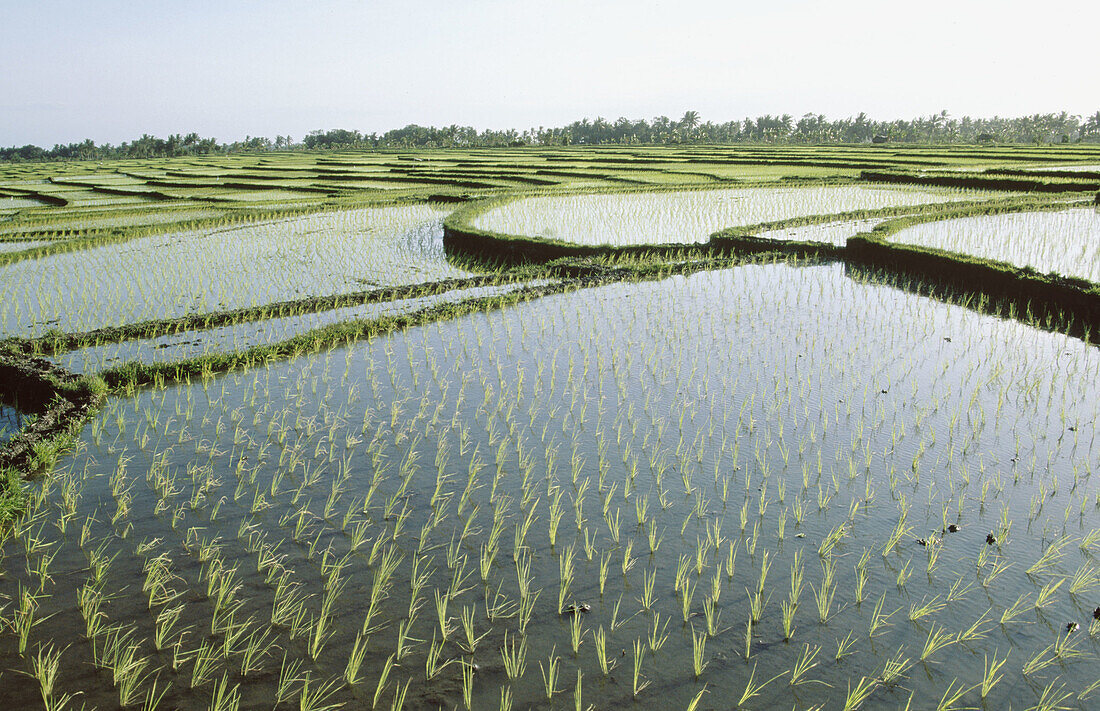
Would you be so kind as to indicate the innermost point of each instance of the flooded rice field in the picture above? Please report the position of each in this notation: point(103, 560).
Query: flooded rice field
point(692, 215)
point(176, 274)
point(242, 336)
point(773, 486)
point(1066, 242)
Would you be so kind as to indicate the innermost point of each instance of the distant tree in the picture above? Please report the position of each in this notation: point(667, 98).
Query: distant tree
point(810, 128)
point(1091, 127)
point(690, 120)
point(334, 138)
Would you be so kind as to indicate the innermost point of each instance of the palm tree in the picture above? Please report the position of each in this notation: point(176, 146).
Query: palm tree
point(1091, 125)
point(936, 123)
point(690, 120)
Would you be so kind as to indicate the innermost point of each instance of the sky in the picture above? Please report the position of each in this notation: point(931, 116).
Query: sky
point(112, 71)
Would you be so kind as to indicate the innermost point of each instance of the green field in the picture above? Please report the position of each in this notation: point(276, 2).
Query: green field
point(689, 426)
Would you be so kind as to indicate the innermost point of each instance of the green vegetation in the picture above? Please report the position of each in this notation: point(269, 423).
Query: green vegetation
point(813, 129)
point(551, 426)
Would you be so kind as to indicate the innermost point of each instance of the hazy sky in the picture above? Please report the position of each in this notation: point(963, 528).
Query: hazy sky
point(111, 71)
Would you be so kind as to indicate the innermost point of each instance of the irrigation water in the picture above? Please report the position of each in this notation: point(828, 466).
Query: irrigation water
point(1066, 242)
point(692, 215)
point(834, 233)
point(227, 339)
point(772, 486)
point(175, 274)
point(11, 421)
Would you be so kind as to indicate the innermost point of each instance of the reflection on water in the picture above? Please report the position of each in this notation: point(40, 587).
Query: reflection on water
point(678, 466)
point(223, 268)
point(1066, 242)
point(11, 421)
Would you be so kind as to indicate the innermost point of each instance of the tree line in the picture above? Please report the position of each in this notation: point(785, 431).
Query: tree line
point(810, 129)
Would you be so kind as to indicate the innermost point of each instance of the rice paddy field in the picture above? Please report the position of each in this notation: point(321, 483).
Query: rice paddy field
point(1064, 242)
point(249, 264)
point(692, 216)
point(273, 437)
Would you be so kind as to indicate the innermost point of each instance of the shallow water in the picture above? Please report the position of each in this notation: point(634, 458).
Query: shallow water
point(11, 421)
point(10, 203)
point(20, 245)
point(170, 275)
point(692, 216)
point(763, 406)
point(1066, 242)
point(90, 221)
point(834, 233)
point(1072, 167)
point(267, 195)
point(226, 339)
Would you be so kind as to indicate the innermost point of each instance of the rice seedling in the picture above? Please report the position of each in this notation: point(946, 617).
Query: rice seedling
point(405, 641)
point(823, 598)
point(938, 638)
point(45, 666)
point(606, 663)
point(445, 622)
point(628, 558)
point(1052, 554)
point(352, 675)
point(952, 696)
point(203, 660)
point(326, 493)
point(514, 656)
point(991, 674)
point(638, 683)
point(166, 621)
point(122, 657)
point(758, 601)
point(713, 617)
point(605, 561)
point(893, 672)
point(1046, 595)
point(752, 689)
point(698, 652)
point(694, 703)
point(1064, 648)
point(807, 660)
point(788, 609)
point(467, 686)
point(926, 608)
point(471, 639)
point(858, 695)
point(958, 591)
point(24, 617)
point(550, 674)
point(1055, 242)
point(318, 697)
point(748, 638)
point(1088, 690)
point(576, 632)
point(383, 680)
point(225, 697)
point(903, 575)
point(1039, 661)
point(676, 216)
